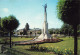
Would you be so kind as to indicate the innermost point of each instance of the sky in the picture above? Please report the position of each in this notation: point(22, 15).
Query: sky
point(31, 12)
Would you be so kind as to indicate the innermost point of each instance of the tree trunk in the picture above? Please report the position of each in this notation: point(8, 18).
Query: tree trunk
point(10, 39)
point(75, 40)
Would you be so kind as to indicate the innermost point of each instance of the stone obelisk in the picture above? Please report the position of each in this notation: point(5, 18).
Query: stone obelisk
point(45, 34)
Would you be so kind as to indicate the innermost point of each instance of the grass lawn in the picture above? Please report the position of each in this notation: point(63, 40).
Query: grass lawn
point(67, 43)
point(20, 39)
point(15, 39)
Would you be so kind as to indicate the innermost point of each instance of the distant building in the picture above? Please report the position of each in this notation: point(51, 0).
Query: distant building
point(30, 32)
point(34, 32)
point(19, 32)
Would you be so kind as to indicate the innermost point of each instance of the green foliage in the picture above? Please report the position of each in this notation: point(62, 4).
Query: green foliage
point(68, 52)
point(78, 30)
point(27, 26)
point(14, 39)
point(66, 29)
point(36, 47)
point(10, 23)
point(50, 31)
point(59, 8)
point(56, 50)
point(56, 31)
point(68, 11)
point(25, 30)
point(2, 30)
point(63, 52)
point(39, 32)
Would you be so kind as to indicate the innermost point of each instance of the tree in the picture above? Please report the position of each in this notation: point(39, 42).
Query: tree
point(78, 30)
point(68, 12)
point(10, 23)
point(50, 31)
point(57, 31)
point(39, 32)
point(26, 28)
point(3, 30)
point(66, 29)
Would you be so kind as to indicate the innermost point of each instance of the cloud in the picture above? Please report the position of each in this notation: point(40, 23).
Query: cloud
point(6, 10)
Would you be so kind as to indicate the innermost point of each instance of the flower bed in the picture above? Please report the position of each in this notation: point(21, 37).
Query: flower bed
point(52, 40)
point(55, 50)
point(30, 43)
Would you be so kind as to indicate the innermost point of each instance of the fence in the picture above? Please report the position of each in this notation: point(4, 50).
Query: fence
point(10, 51)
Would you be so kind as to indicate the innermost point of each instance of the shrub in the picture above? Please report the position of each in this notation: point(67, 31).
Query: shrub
point(56, 50)
point(42, 49)
point(68, 52)
point(37, 48)
point(34, 47)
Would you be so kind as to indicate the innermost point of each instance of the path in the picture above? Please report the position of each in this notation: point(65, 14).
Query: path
point(0, 50)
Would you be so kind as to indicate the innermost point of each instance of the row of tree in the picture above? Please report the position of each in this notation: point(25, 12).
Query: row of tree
point(67, 29)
